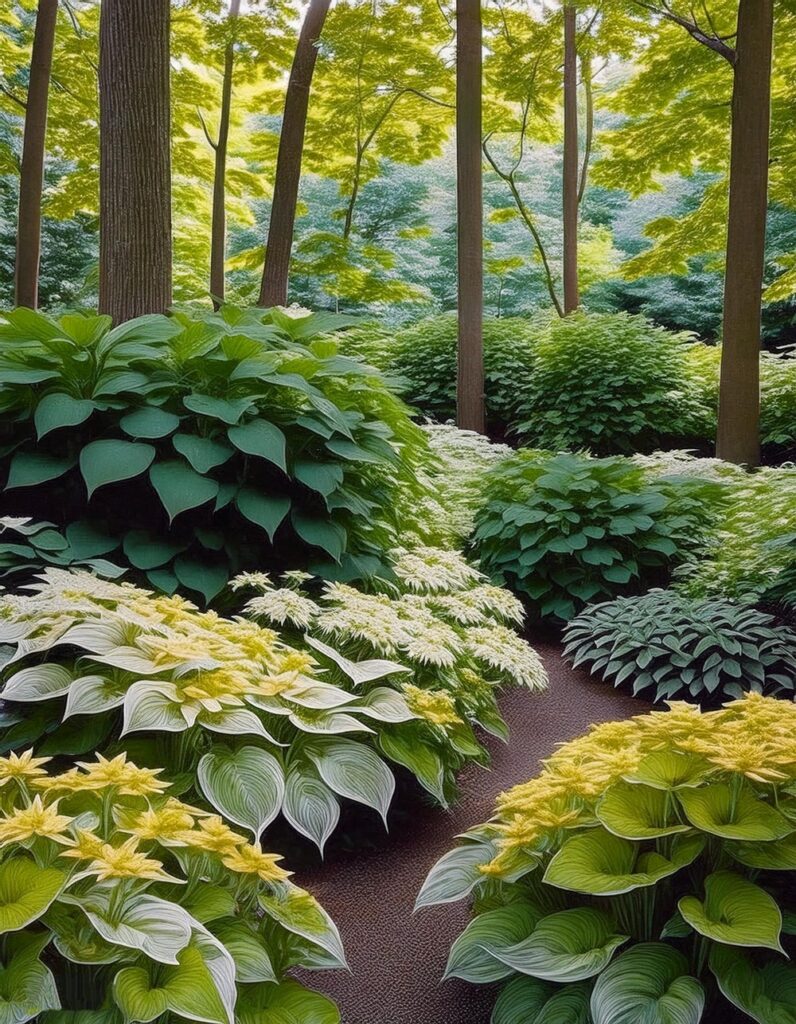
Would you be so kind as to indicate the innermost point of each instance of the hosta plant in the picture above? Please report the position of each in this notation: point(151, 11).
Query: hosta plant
point(442, 620)
point(647, 874)
point(193, 449)
point(26, 546)
point(665, 645)
point(124, 903)
point(566, 530)
point(245, 723)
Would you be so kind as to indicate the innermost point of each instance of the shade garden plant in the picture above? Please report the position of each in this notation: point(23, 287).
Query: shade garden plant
point(647, 873)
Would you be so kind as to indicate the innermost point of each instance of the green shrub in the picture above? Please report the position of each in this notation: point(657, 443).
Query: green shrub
point(647, 874)
point(372, 342)
point(424, 355)
point(666, 646)
point(193, 449)
point(122, 903)
point(607, 382)
point(566, 530)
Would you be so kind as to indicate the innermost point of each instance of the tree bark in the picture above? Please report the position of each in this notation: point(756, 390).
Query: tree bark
point(273, 289)
point(739, 394)
point(31, 177)
point(470, 413)
point(571, 163)
point(218, 228)
point(135, 159)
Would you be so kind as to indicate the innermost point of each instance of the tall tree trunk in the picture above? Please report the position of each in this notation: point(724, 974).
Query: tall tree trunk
point(273, 290)
point(571, 168)
point(31, 178)
point(218, 228)
point(739, 394)
point(470, 413)
point(135, 159)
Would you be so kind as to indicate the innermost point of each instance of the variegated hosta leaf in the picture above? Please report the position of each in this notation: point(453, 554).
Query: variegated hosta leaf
point(357, 671)
point(286, 1002)
point(531, 1001)
point(718, 809)
point(91, 695)
point(300, 913)
point(455, 874)
point(638, 812)
point(236, 722)
point(310, 807)
point(474, 956)
point(96, 636)
point(319, 696)
point(41, 682)
point(153, 707)
point(355, 771)
point(777, 855)
point(767, 994)
point(247, 785)
point(650, 982)
point(668, 769)
point(407, 748)
point(735, 911)
point(156, 927)
point(384, 705)
point(571, 945)
point(329, 723)
point(27, 987)
point(26, 891)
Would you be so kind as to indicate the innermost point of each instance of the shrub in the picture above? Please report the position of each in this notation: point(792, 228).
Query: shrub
point(666, 645)
point(566, 530)
point(123, 900)
point(371, 342)
point(608, 382)
point(446, 624)
point(645, 874)
point(195, 449)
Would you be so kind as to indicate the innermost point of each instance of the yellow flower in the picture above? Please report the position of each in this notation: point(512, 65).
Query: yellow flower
point(213, 836)
point(435, 706)
point(165, 824)
point(248, 860)
point(22, 766)
point(72, 780)
point(86, 846)
point(127, 778)
point(126, 861)
point(35, 820)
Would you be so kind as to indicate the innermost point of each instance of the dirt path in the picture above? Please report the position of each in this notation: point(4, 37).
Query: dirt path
point(397, 958)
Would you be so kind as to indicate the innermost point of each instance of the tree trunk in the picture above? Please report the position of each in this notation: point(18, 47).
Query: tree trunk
point(218, 228)
point(470, 413)
point(31, 177)
point(739, 394)
point(135, 159)
point(571, 168)
point(273, 290)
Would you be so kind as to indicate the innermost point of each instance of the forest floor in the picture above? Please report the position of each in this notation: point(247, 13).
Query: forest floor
point(396, 957)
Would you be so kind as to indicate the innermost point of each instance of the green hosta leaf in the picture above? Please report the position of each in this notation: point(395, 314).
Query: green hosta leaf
point(357, 671)
point(107, 462)
point(181, 488)
point(203, 453)
point(208, 579)
point(719, 810)
point(41, 682)
point(666, 769)
point(301, 914)
point(58, 410)
point(601, 864)
point(246, 786)
point(153, 707)
point(474, 954)
point(309, 806)
point(91, 695)
point(321, 533)
point(407, 748)
point(638, 812)
point(455, 874)
point(767, 994)
point(530, 1001)
point(735, 911)
point(26, 890)
point(228, 411)
point(262, 510)
point(88, 540)
point(29, 469)
point(148, 551)
point(353, 452)
point(324, 478)
point(154, 926)
point(779, 855)
point(355, 771)
point(648, 984)
point(27, 988)
point(285, 1003)
point(149, 422)
point(259, 437)
point(208, 903)
point(252, 963)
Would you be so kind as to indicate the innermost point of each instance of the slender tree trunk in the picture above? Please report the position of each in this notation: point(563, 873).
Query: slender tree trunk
point(31, 178)
point(739, 393)
point(470, 413)
point(588, 142)
point(135, 159)
point(571, 168)
point(273, 290)
point(218, 228)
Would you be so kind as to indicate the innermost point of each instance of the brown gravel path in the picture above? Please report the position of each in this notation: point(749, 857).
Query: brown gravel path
point(397, 957)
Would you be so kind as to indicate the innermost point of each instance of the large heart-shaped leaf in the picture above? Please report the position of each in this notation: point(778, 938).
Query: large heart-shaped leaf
point(247, 785)
point(58, 410)
point(153, 707)
point(250, 953)
point(455, 874)
point(735, 911)
point(321, 533)
point(226, 410)
point(108, 462)
point(91, 695)
point(474, 954)
point(767, 994)
point(27, 987)
point(778, 855)
point(29, 469)
point(531, 1001)
point(285, 1003)
point(309, 806)
point(148, 551)
point(355, 771)
point(718, 809)
point(149, 422)
point(648, 983)
point(154, 926)
point(301, 914)
point(264, 510)
point(203, 453)
point(638, 812)
point(181, 488)
point(26, 890)
point(259, 437)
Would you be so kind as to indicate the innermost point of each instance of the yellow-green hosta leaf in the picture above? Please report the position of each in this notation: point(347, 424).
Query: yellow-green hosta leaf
point(735, 911)
point(778, 855)
point(601, 864)
point(667, 769)
point(571, 945)
point(767, 994)
point(283, 1003)
point(638, 812)
point(250, 953)
point(474, 954)
point(718, 809)
point(27, 988)
point(531, 1001)
point(246, 786)
point(26, 891)
point(300, 913)
point(649, 983)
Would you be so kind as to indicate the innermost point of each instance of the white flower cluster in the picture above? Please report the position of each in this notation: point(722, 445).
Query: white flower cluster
point(685, 463)
point(503, 650)
point(427, 570)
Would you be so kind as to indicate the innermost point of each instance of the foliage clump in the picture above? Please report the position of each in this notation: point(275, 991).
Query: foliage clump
point(649, 867)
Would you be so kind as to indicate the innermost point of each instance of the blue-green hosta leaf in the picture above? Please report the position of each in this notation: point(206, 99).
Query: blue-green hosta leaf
point(88, 540)
point(26, 891)
point(261, 438)
point(473, 955)
point(29, 469)
point(284, 1003)
point(300, 913)
point(252, 962)
point(91, 695)
point(531, 1001)
point(154, 926)
point(208, 579)
point(777, 855)
point(649, 983)
point(27, 987)
point(58, 410)
point(148, 551)
point(108, 462)
point(601, 864)
point(455, 874)
point(735, 911)
point(149, 422)
point(638, 812)
point(247, 786)
point(309, 805)
point(40, 682)
point(667, 769)
point(263, 510)
point(767, 994)
point(180, 488)
point(321, 533)
point(203, 453)
point(228, 411)
point(154, 707)
point(357, 671)
point(571, 945)
point(324, 478)
point(353, 452)
point(719, 810)
point(354, 771)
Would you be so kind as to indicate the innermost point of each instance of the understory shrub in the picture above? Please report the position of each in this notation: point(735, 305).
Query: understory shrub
point(120, 899)
point(566, 530)
point(666, 645)
point(193, 449)
point(647, 874)
point(607, 382)
point(445, 623)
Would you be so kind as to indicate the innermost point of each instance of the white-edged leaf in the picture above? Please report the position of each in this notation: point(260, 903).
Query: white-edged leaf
point(310, 807)
point(246, 786)
point(355, 771)
point(357, 671)
point(153, 706)
point(91, 695)
point(41, 682)
point(455, 874)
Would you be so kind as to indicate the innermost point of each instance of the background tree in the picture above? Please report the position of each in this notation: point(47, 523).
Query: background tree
point(571, 163)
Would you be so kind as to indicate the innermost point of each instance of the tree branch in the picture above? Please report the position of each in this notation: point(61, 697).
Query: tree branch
point(12, 96)
point(713, 42)
point(213, 145)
